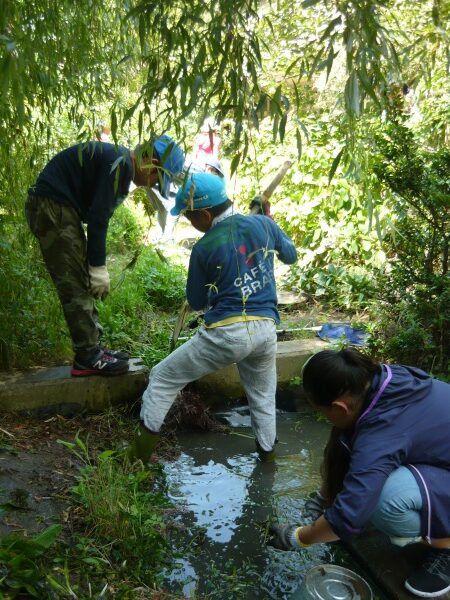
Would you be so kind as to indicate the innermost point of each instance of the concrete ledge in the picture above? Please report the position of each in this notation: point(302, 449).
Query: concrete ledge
point(45, 391)
point(387, 564)
point(224, 385)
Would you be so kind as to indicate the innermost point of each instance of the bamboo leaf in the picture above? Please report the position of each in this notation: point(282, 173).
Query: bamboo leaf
point(367, 86)
point(276, 101)
point(334, 165)
point(282, 128)
point(316, 61)
point(309, 3)
point(370, 208)
point(298, 137)
point(234, 164)
point(352, 96)
point(332, 25)
point(292, 65)
point(114, 124)
point(120, 159)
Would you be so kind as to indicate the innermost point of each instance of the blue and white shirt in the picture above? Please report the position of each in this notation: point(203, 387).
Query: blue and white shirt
point(231, 268)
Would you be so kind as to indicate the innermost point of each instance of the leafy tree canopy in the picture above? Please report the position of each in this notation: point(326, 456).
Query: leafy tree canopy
point(242, 60)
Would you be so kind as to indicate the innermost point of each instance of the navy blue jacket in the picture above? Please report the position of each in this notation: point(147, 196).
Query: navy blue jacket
point(408, 425)
point(84, 178)
point(231, 268)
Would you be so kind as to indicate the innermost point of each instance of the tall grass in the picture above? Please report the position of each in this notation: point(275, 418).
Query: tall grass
point(135, 315)
point(124, 511)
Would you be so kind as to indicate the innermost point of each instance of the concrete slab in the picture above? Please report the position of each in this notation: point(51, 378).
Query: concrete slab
point(387, 564)
point(291, 356)
point(43, 392)
point(287, 298)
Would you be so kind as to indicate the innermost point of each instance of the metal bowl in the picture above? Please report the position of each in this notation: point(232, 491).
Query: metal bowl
point(331, 582)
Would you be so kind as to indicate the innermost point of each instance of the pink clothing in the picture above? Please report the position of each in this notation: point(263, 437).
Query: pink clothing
point(206, 145)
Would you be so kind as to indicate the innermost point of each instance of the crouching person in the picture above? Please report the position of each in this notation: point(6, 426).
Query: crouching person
point(387, 460)
point(231, 277)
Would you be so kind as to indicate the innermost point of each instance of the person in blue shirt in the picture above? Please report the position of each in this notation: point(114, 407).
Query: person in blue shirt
point(230, 277)
point(387, 461)
point(85, 184)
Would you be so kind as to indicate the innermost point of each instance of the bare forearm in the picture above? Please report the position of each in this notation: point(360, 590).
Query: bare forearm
point(317, 533)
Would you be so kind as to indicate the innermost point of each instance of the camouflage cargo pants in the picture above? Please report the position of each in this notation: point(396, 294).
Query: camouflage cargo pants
point(63, 244)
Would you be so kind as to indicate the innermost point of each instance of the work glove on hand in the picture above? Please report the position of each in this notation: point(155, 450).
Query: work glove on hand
point(283, 537)
point(195, 322)
point(262, 205)
point(314, 507)
point(143, 444)
point(99, 278)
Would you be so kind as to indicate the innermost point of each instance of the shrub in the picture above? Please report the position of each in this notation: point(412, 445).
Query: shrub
point(415, 291)
point(32, 326)
point(136, 315)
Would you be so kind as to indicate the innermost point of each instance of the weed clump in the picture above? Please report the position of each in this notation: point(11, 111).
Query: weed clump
point(189, 413)
point(123, 515)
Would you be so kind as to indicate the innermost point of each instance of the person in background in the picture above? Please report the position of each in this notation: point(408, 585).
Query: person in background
point(231, 275)
point(103, 133)
point(387, 461)
point(162, 206)
point(85, 184)
point(207, 143)
point(213, 166)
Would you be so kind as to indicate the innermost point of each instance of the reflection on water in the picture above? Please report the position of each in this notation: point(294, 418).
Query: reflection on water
point(228, 495)
point(214, 492)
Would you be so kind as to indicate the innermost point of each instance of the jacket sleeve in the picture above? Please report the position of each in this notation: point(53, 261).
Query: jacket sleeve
point(370, 465)
point(284, 246)
point(105, 200)
point(197, 289)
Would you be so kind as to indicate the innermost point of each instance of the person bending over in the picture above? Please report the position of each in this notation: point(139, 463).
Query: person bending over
point(387, 460)
point(85, 184)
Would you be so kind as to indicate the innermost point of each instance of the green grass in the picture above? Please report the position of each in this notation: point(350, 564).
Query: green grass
point(124, 517)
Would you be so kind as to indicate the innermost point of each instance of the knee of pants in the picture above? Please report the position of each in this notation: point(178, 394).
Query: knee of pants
point(398, 510)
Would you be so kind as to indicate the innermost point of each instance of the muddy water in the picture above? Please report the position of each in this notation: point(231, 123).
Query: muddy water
point(227, 497)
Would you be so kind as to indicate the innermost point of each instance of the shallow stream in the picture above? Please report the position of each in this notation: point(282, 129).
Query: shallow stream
point(228, 495)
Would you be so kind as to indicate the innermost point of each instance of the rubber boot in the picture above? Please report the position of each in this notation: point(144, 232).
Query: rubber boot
point(143, 444)
point(265, 456)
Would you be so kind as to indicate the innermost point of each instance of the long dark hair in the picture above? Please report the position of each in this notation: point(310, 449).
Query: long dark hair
point(326, 376)
point(334, 466)
point(330, 374)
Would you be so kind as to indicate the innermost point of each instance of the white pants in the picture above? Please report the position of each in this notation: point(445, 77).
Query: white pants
point(252, 345)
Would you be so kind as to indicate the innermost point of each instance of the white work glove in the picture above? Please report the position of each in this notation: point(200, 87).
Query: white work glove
point(99, 278)
point(285, 537)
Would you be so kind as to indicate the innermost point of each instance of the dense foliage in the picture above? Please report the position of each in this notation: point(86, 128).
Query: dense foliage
point(317, 81)
point(415, 289)
point(355, 92)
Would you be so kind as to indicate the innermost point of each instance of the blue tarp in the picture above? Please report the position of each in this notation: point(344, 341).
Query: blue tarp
point(332, 332)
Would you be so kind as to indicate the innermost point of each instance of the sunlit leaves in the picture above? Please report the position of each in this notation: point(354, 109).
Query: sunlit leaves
point(243, 60)
point(335, 164)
